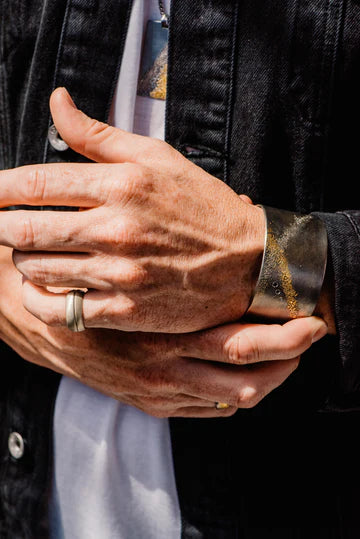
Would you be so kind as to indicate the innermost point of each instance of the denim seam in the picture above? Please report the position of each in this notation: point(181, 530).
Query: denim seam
point(338, 16)
point(320, 96)
point(353, 223)
point(331, 42)
point(329, 48)
point(60, 50)
point(26, 98)
point(309, 123)
point(230, 97)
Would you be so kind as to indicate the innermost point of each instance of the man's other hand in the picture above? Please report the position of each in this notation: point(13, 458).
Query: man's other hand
point(163, 375)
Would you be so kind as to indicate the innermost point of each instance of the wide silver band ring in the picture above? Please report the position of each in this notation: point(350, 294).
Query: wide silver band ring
point(74, 310)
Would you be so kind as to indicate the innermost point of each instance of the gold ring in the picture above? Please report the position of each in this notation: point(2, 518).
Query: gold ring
point(222, 405)
point(74, 310)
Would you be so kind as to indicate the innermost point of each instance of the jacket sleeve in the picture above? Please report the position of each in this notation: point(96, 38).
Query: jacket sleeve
point(344, 249)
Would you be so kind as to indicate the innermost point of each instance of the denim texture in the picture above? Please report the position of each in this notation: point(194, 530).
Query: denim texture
point(265, 96)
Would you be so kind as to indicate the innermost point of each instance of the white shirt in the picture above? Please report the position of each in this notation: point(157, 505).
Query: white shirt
point(113, 473)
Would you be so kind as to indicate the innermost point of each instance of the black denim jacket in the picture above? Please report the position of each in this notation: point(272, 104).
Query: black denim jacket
point(265, 96)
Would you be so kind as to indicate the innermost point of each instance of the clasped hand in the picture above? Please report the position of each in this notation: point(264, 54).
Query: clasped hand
point(161, 246)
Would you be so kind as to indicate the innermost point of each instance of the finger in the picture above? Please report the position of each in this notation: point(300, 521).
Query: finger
point(50, 307)
point(59, 184)
point(47, 231)
point(240, 387)
point(78, 270)
point(96, 140)
point(64, 270)
point(242, 344)
point(167, 403)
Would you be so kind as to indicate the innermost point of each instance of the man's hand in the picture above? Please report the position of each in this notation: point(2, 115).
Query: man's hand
point(163, 375)
point(161, 245)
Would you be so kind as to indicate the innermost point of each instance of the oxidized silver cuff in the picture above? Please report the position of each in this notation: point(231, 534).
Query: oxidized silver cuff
point(293, 266)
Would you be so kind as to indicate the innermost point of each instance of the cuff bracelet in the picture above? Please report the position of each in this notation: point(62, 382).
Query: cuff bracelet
point(293, 265)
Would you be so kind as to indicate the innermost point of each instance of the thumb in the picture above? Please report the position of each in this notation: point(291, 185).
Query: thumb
point(96, 140)
point(252, 343)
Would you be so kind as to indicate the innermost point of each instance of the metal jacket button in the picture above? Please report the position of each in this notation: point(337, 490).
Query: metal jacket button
point(56, 142)
point(16, 445)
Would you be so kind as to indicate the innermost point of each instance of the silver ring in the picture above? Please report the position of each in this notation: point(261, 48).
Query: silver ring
point(74, 310)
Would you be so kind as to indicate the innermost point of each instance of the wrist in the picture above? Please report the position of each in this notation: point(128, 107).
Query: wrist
point(257, 239)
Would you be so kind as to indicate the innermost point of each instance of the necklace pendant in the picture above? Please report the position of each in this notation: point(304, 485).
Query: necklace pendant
point(153, 70)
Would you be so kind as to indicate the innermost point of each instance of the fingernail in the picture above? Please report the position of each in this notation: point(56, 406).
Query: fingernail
point(320, 332)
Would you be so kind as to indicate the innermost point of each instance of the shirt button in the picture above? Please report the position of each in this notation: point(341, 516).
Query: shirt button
point(56, 142)
point(16, 445)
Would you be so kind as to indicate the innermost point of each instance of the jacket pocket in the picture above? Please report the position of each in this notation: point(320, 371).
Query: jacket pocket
point(314, 53)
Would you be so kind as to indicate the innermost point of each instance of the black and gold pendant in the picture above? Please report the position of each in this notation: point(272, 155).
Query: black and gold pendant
point(153, 70)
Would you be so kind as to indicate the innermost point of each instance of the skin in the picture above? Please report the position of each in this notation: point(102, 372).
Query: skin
point(163, 375)
point(160, 244)
point(157, 243)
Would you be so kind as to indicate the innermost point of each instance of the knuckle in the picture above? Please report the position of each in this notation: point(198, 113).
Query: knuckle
point(125, 236)
point(136, 184)
point(150, 149)
point(116, 236)
point(242, 349)
point(98, 129)
point(233, 352)
point(133, 171)
point(247, 397)
point(25, 233)
point(113, 311)
point(127, 310)
point(35, 184)
point(97, 133)
point(132, 279)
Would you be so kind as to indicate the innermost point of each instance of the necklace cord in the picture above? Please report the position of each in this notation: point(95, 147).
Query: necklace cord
point(164, 15)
